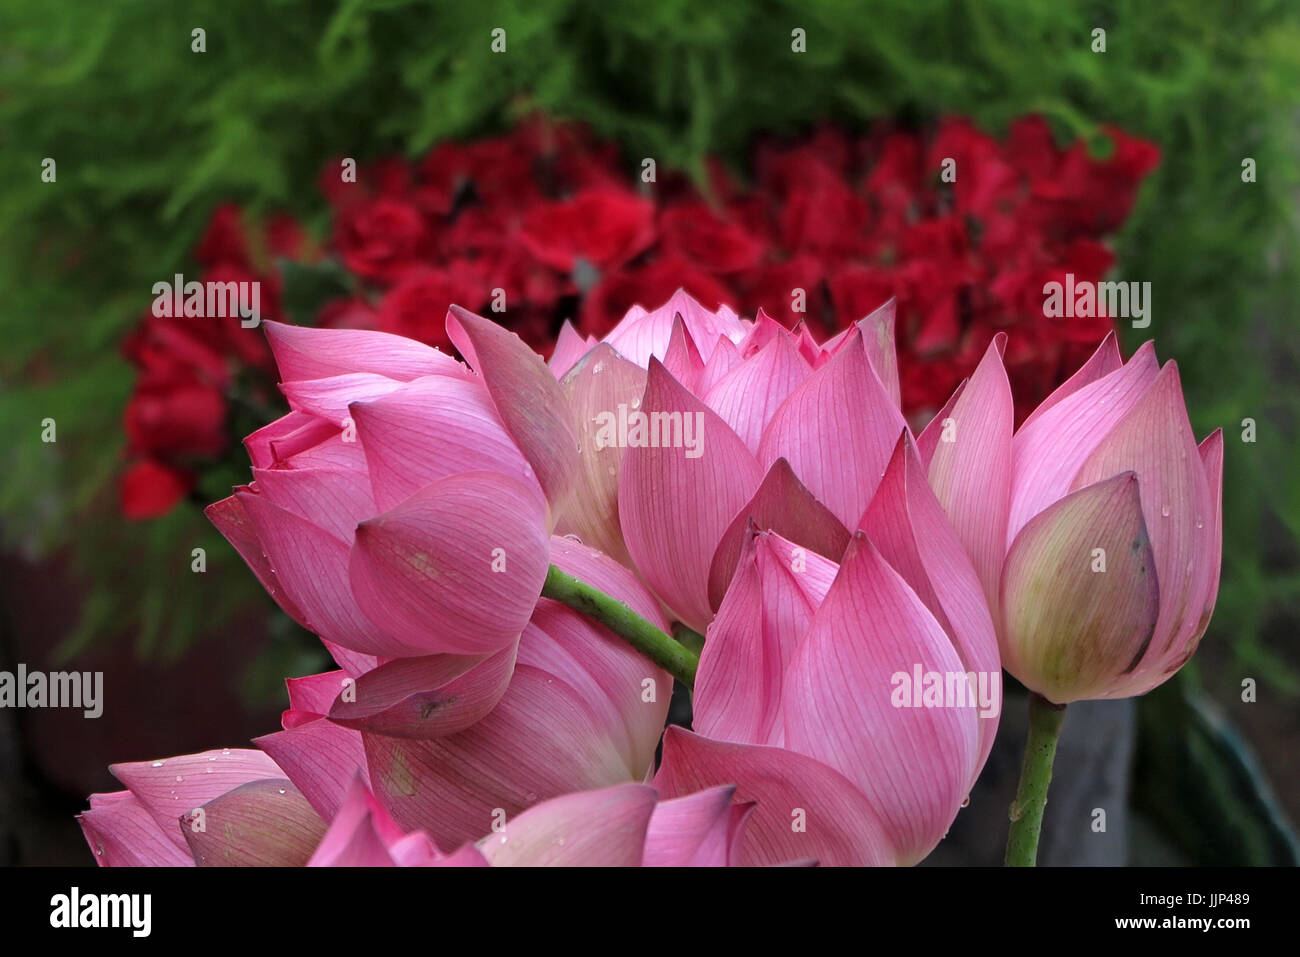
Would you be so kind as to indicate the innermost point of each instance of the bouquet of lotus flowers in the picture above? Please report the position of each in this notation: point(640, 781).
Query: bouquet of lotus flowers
point(512, 564)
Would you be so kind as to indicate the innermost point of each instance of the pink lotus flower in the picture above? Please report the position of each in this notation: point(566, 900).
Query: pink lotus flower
point(858, 700)
point(240, 811)
point(401, 508)
point(208, 808)
point(574, 709)
point(684, 414)
point(1096, 528)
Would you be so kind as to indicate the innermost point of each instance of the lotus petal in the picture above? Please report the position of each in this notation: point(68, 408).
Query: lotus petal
point(1081, 593)
point(429, 430)
point(306, 353)
point(674, 506)
point(782, 504)
point(596, 387)
point(526, 397)
point(122, 833)
point(457, 567)
point(971, 475)
point(843, 702)
point(837, 431)
point(802, 809)
point(264, 823)
point(908, 526)
point(605, 828)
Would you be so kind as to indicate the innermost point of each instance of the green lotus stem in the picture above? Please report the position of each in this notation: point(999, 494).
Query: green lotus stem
point(1045, 720)
point(659, 647)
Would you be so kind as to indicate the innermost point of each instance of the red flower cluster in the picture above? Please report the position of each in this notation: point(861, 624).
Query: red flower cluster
point(546, 224)
point(177, 416)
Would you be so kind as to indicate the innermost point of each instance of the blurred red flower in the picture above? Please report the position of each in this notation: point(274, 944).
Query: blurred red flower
point(545, 223)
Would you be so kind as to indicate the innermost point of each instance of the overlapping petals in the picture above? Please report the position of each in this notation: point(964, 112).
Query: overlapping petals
point(734, 417)
point(879, 671)
point(265, 821)
point(443, 742)
point(232, 806)
point(859, 590)
point(397, 510)
point(1098, 523)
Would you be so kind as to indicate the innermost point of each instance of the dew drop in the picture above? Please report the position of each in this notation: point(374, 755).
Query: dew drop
point(1164, 510)
point(281, 790)
point(597, 369)
point(636, 403)
point(157, 764)
point(1199, 523)
point(966, 802)
point(179, 778)
point(225, 751)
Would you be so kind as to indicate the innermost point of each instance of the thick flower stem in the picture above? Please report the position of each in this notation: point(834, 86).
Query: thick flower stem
point(1045, 720)
point(668, 654)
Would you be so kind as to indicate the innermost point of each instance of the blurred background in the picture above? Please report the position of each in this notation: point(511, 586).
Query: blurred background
point(794, 145)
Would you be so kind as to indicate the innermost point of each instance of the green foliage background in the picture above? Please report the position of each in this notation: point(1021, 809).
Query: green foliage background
point(149, 136)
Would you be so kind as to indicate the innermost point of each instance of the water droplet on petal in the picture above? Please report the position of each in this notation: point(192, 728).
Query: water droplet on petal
point(157, 764)
point(1199, 523)
point(1164, 510)
point(179, 778)
point(966, 803)
point(281, 790)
